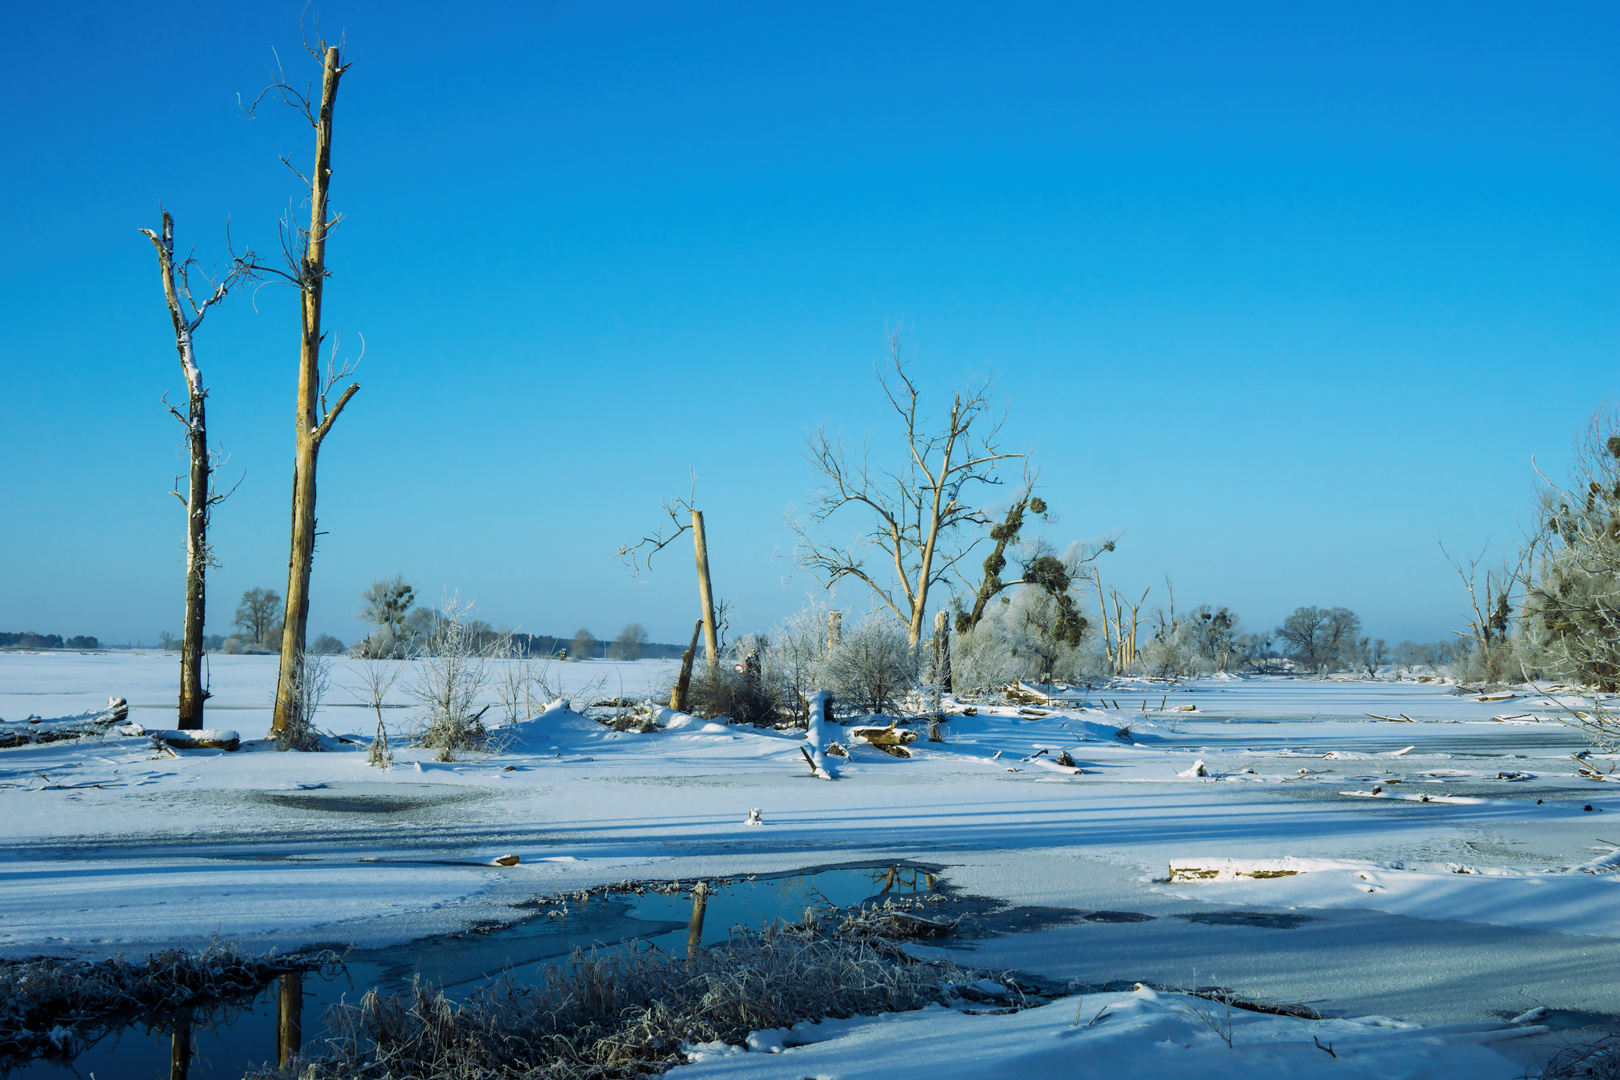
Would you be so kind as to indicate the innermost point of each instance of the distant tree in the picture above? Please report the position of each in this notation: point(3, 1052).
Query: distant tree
point(1216, 634)
point(583, 645)
point(1342, 635)
point(388, 604)
point(256, 615)
point(630, 642)
point(327, 645)
point(81, 642)
point(387, 607)
point(168, 642)
point(1320, 637)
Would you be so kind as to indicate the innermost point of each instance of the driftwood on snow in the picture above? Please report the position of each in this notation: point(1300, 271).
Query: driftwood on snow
point(35, 730)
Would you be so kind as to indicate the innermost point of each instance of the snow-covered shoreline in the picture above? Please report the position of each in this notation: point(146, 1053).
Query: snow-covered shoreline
point(1495, 897)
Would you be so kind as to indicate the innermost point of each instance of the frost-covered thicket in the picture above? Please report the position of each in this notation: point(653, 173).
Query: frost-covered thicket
point(312, 676)
point(448, 679)
point(873, 666)
point(1572, 609)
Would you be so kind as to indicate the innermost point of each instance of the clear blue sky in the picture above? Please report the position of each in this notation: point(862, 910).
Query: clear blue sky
point(1286, 292)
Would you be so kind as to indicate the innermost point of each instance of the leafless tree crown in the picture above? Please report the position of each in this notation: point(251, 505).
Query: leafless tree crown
point(915, 514)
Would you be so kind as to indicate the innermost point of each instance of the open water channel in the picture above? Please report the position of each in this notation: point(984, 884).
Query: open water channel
point(250, 1035)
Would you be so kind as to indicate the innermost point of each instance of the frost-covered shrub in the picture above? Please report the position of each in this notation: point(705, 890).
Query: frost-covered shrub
point(314, 675)
point(982, 661)
point(737, 688)
point(449, 676)
point(873, 665)
point(1504, 660)
point(794, 658)
point(1173, 652)
point(1029, 634)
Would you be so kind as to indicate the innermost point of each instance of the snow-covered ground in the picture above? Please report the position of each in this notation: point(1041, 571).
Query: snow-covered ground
point(1443, 871)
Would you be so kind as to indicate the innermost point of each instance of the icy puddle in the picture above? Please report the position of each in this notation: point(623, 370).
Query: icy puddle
point(659, 915)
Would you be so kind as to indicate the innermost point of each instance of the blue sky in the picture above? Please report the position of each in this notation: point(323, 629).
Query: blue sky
point(1286, 293)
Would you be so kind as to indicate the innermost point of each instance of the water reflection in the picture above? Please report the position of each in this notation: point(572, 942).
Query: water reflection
point(230, 1039)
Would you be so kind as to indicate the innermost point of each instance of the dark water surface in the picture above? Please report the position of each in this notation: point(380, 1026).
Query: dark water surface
point(247, 1038)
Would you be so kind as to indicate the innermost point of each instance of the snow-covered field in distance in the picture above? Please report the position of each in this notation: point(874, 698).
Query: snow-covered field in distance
point(1448, 871)
point(60, 683)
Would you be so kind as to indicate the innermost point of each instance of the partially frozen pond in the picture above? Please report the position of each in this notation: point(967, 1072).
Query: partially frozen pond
point(657, 915)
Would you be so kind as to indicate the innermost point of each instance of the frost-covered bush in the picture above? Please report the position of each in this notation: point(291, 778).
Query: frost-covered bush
point(982, 661)
point(1173, 652)
point(873, 665)
point(449, 676)
point(1504, 660)
point(314, 675)
point(1571, 614)
point(1029, 634)
point(737, 688)
point(794, 658)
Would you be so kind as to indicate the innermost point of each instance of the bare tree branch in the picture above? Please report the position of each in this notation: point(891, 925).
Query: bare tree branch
point(918, 512)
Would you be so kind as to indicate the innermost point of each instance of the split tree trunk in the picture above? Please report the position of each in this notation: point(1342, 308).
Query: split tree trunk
point(942, 654)
point(311, 427)
point(677, 697)
point(711, 634)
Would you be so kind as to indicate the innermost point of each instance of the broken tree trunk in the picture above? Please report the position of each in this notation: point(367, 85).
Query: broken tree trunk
point(711, 633)
point(289, 1017)
point(677, 696)
point(891, 740)
point(816, 735)
point(694, 929)
point(198, 499)
point(312, 426)
point(942, 655)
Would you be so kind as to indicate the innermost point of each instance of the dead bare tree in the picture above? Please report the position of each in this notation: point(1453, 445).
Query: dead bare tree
point(1119, 643)
point(919, 509)
point(305, 249)
point(1490, 616)
point(201, 496)
point(683, 516)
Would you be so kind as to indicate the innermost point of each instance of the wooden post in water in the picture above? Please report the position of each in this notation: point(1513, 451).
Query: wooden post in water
point(694, 933)
point(677, 696)
point(180, 1047)
point(289, 1017)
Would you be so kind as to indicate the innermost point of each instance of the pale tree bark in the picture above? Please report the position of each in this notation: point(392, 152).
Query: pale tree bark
point(314, 416)
point(711, 633)
point(915, 512)
point(200, 497)
point(631, 554)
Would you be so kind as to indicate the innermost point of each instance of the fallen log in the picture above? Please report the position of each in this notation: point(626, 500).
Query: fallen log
point(892, 740)
point(1228, 869)
point(207, 739)
point(36, 730)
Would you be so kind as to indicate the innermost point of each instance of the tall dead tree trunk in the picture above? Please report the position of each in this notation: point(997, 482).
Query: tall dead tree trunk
point(711, 633)
point(199, 499)
point(313, 418)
